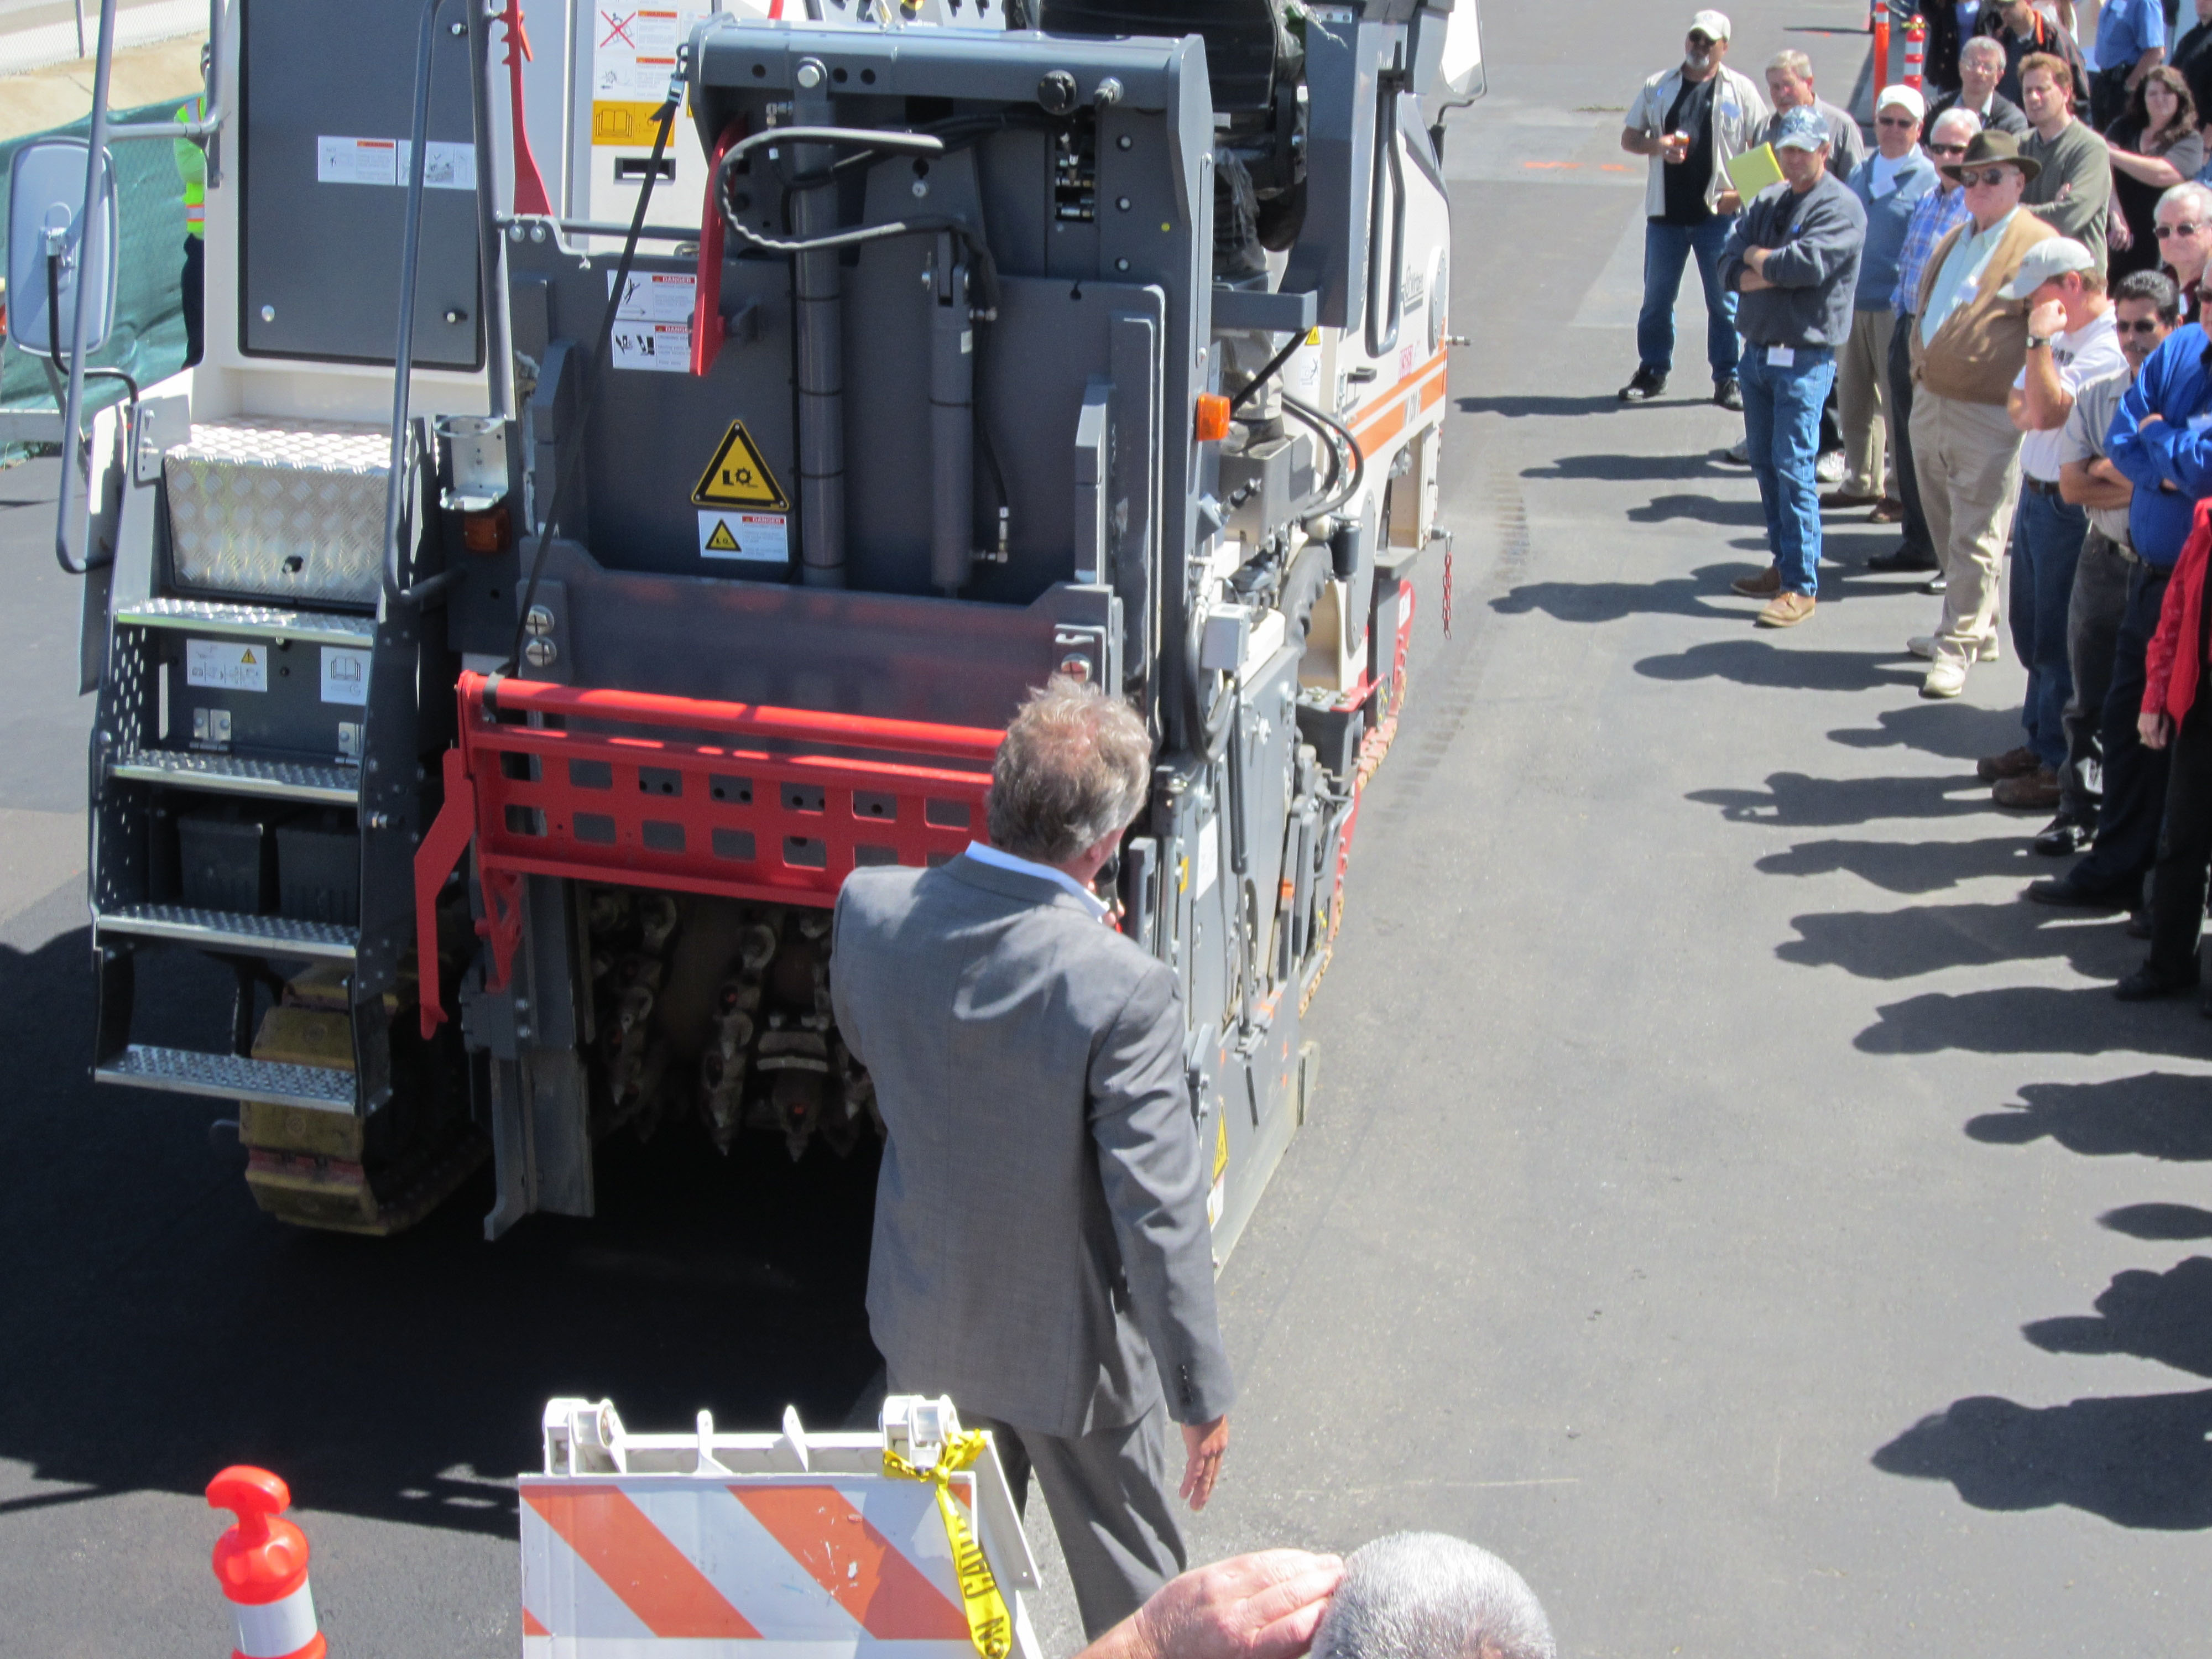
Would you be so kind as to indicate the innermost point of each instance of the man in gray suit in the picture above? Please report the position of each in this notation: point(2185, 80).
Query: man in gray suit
point(1041, 1252)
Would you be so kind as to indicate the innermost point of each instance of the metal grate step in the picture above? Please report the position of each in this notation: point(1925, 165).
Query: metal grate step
point(251, 622)
point(231, 774)
point(224, 930)
point(230, 1076)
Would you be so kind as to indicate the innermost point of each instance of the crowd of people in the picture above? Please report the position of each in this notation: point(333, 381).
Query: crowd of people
point(1986, 331)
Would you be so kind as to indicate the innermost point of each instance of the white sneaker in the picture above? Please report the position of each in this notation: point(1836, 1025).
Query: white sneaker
point(1829, 468)
point(1924, 646)
point(1947, 677)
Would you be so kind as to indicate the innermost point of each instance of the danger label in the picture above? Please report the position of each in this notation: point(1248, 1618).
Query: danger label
point(761, 537)
point(738, 476)
point(227, 664)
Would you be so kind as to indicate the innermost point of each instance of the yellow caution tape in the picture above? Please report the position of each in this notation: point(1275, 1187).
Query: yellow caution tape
point(989, 1625)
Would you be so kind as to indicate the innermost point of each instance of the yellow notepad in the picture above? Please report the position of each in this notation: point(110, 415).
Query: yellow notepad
point(1753, 171)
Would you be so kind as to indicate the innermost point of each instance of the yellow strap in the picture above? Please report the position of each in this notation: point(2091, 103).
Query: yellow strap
point(989, 1625)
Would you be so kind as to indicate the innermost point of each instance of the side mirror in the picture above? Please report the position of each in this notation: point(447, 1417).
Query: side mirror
point(45, 191)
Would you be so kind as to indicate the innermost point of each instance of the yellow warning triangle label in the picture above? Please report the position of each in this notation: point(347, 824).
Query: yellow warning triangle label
point(247, 661)
point(738, 476)
point(722, 541)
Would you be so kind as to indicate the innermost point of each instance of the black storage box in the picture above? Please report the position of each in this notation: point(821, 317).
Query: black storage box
point(319, 869)
point(1334, 734)
point(228, 862)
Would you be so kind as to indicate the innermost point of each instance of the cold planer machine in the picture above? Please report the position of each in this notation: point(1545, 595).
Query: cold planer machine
point(1111, 347)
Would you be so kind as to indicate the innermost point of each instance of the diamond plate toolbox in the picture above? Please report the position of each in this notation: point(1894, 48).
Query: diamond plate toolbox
point(280, 509)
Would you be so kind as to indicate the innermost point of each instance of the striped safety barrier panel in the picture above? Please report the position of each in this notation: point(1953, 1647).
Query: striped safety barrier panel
point(789, 1545)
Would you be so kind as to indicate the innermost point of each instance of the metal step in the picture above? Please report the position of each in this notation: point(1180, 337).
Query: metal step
point(230, 1076)
point(223, 930)
point(231, 774)
point(250, 622)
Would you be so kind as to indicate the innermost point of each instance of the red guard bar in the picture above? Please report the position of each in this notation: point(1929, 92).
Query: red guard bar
point(585, 803)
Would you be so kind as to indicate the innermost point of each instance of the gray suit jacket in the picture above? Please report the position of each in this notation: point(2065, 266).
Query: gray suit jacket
point(1041, 1252)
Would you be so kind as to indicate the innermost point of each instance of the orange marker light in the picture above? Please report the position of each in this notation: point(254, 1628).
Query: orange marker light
point(1212, 418)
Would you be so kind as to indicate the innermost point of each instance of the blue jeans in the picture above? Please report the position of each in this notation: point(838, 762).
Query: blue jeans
point(1782, 436)
point(2046, 545)
point(1667, 249)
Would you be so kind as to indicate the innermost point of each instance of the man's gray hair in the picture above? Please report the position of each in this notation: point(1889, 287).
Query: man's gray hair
point(1073, 771)
point(2191, 197)
point(1964, 122)
point(1982, 45)
point(1427, 1595)
point(1793, 62)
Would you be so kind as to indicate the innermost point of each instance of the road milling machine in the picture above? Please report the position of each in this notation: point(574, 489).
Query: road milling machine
point(790, 394)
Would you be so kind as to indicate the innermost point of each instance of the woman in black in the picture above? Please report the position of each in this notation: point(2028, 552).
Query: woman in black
point(2156, 144)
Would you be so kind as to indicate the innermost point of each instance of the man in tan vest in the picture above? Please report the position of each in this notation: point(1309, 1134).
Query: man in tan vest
point(1968, 343)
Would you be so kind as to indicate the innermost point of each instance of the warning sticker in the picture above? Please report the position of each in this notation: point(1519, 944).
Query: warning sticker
point(664, 347)
point(652, 320)
point(633, 57)
point(391, 160)
point(227, 664)
point(764, 537)
point(738, 476)
point(345, 675)
point(1217, 1196)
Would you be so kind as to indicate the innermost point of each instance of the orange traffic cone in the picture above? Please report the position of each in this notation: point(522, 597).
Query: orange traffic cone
point(262, 1564)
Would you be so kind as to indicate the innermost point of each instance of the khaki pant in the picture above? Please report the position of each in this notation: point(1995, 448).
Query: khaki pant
point(1967, 457)
point(1862, 391)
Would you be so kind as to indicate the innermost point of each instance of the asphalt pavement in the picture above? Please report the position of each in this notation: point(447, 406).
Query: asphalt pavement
point(1726, 1199)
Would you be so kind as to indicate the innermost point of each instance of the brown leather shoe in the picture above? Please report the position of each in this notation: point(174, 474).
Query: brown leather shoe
point(2013, 764)
point(1838, 498)
point(1888, 510)
point(1788, 610)
point(2038, 791)
point(1764, 585)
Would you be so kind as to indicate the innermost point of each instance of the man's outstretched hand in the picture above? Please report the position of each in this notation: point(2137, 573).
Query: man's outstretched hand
point(1265, 1605)
point(1203, 1446)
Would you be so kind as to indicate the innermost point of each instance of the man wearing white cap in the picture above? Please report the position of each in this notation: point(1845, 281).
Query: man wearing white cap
point(1889, 185)
point(2071, 341)
point(1692, 121)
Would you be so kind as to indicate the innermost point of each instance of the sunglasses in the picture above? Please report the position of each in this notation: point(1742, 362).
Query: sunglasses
point(1945, 150)
point(1985, 176)
point(1702, 41)
point(1900, 121)
point(2142, 325)
point(2185, 229)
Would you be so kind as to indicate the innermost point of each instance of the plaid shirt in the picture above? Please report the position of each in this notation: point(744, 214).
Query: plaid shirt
point(1932, 219)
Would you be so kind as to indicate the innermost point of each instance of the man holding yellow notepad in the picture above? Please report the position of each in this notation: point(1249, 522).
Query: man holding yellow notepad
point(1692, 121)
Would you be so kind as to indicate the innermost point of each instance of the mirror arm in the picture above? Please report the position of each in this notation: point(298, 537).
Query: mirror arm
point(95, 170)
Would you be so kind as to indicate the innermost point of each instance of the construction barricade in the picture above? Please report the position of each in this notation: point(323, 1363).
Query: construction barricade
point(900, 1543)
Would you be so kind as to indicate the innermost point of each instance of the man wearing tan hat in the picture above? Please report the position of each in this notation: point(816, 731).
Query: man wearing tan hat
point(1889, 185)
point(1969, 342)
point(1692, 120)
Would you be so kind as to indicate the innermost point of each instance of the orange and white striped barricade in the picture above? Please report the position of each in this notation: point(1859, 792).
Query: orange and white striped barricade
point(902, 1544)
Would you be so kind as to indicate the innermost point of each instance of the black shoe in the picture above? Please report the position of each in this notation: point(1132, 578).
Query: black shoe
point(2148, 983)
point(2063, 836)
point(2138, 925)
point(2064, 890)
point(1647, 384)
point(1728, 392)
point(1905, 558)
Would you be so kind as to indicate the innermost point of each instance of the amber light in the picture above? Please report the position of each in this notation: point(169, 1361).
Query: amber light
point(1213, 419)
point(485, 532)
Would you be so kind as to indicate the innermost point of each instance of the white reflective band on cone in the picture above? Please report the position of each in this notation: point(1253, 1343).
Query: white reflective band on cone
point(275, 1629)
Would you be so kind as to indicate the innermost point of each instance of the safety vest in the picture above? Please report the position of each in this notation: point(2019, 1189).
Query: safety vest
point(192, 168)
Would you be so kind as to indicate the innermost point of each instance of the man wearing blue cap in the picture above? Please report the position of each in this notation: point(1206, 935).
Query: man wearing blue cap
point(1793, 258)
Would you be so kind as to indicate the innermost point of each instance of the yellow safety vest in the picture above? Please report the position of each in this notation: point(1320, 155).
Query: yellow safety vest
point(192, 168)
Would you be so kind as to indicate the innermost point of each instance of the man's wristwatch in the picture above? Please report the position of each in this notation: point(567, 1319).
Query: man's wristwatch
point(2034, 341)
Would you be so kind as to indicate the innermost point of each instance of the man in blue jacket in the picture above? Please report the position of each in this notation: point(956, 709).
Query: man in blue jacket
point(1794, 259)
point(2161, 440)
point(1889, 184)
